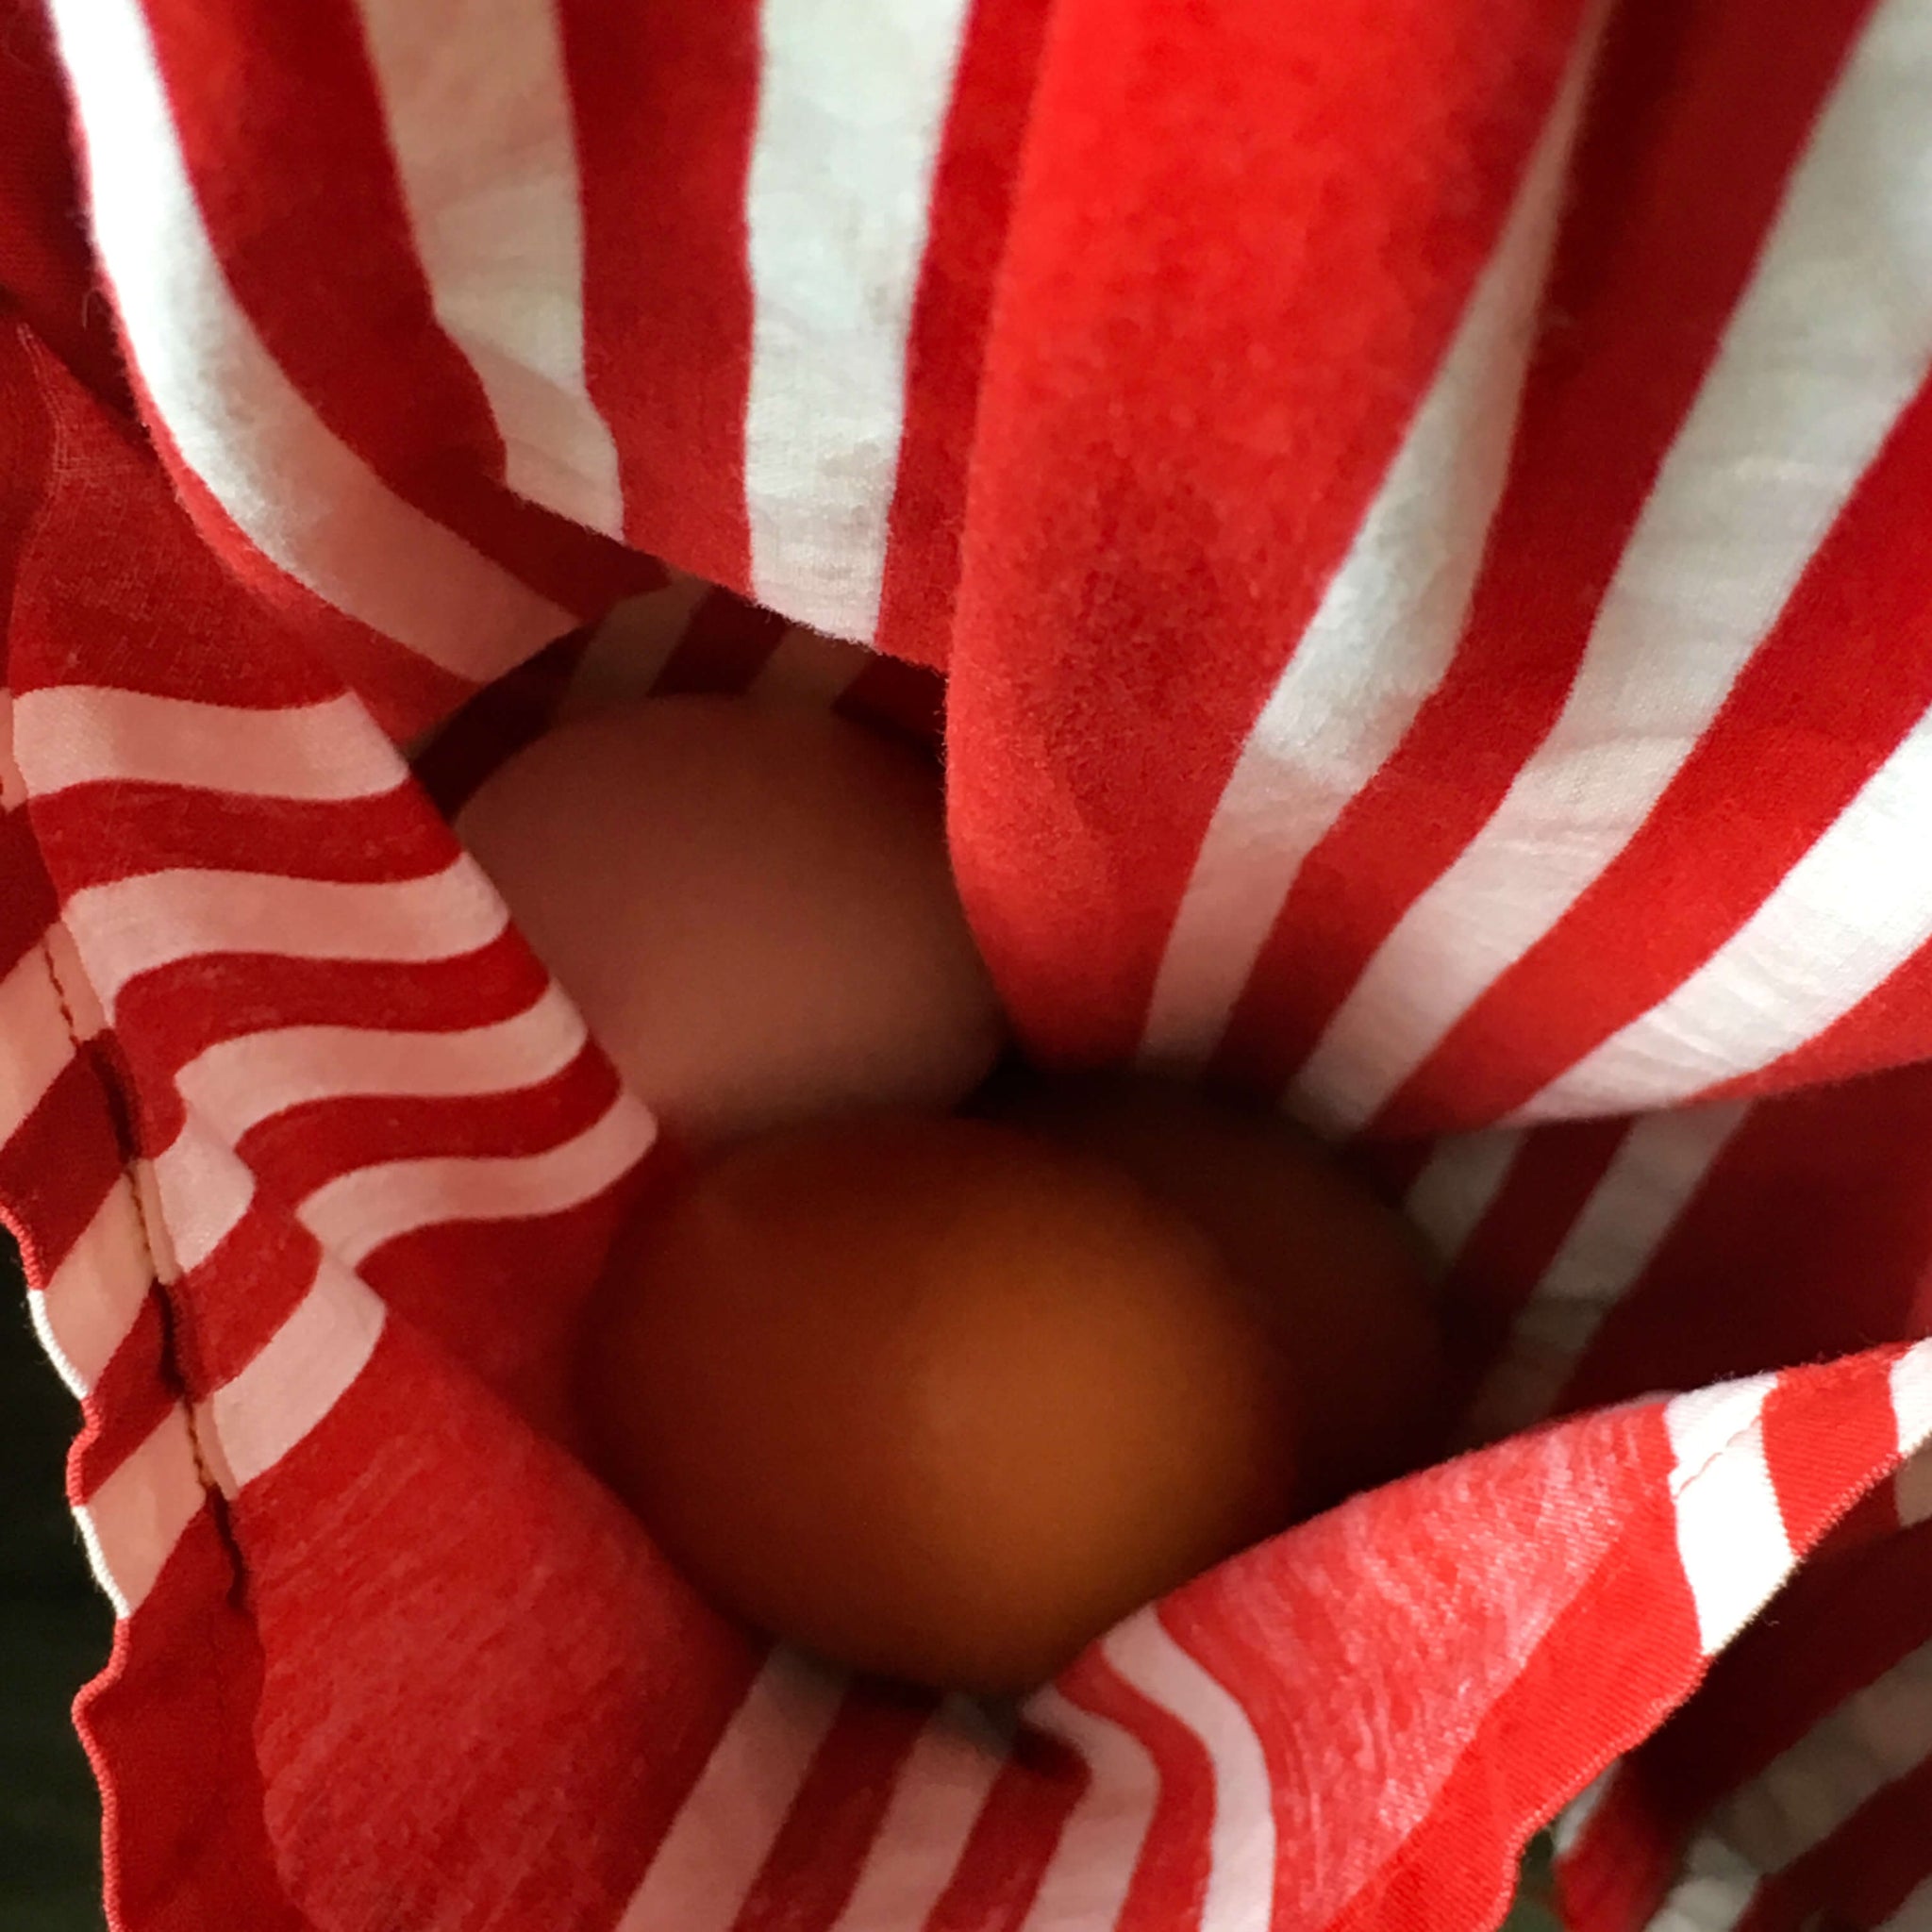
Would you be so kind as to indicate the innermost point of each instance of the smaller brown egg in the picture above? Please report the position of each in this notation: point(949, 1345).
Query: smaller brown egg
point(934, 1397)
point(751, 906)
point(1338, 1277)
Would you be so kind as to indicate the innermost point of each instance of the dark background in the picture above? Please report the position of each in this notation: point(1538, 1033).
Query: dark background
point(55, 1630)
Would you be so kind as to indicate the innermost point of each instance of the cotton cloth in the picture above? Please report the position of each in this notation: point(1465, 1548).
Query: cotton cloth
point(1409, 522)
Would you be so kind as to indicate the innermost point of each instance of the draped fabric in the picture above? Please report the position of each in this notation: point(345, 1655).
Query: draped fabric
point(1407, 523)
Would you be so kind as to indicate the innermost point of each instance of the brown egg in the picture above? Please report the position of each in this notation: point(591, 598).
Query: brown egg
point(1339, 1277)
point(751, 906)
point(934, 1398)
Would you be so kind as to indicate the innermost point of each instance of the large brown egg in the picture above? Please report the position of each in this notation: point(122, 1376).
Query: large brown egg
point(1338, 1277)
point(933, 1397)
point(751, 906)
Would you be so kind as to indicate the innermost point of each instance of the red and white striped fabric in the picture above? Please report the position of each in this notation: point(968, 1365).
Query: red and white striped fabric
point(1417, 511)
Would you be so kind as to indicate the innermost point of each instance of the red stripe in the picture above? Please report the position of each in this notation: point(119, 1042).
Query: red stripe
point(533, 1693)
point(1649, 266)
point(1856, 641)
point(1425, 1666)
point(1817, 1217)
point(945, 350)
point(466, 1283)
point(118, 828)
point(405, 693)
point(136, 1394)
point(44, 1261)
point(471, 1287)
point(1892, 1024)
point(821, 1849)
point(1171, 1872)
point(282, 132)
point(27, 901)
point(1614, 1878)
point(1604, 1676)
point(1836, 1627)
point(170, 1727)
point(1863, 1872)
point(73, 622)
point(230, 1305)
point(665, 99)
point(724, 644)
point(1873, 1519)
point(169, 1015)
point(26, 443)
point(1177, 441)
point(303, 1147)
point(299, 1147)
point(1549, 1184)
point(502, 718)
point(1013, 1839)
point(57, 1164)
point(1612, 1665)
point(47, 270)
point(1821, 1468)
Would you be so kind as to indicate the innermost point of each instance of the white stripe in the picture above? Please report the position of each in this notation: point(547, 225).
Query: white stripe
point(236, 1084)
point(1465, 1173)
point(50, 1343)
point(359, 1211)
point(1914, 1914)
point(1705, 1423)
point(1841, 921)
point(1087, 1880)
point(93, 1298)
point(302, 497)
point(1830, 342)
point(1240, 1859)
point(631, 647)
point(940, 1793)
point(47, 1005)
point(1656, 1169)
point(12, 792)
point(808, 668)
point(852, 99)
point(712, 1854)
point(1714, 1894)
point(1568, 1828)
point(133, 1521)
point(479, 121)
point(154, 1222)
point(1385, 632)
point(77, 734)
point(1730, 1532)
point(1911, 1404)
point(136, 926)
point(34, 1044)
point(201, 1189)
point(1910, 1382)
point(300, 1373)
point(70, 974)
point(1838, 1766)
